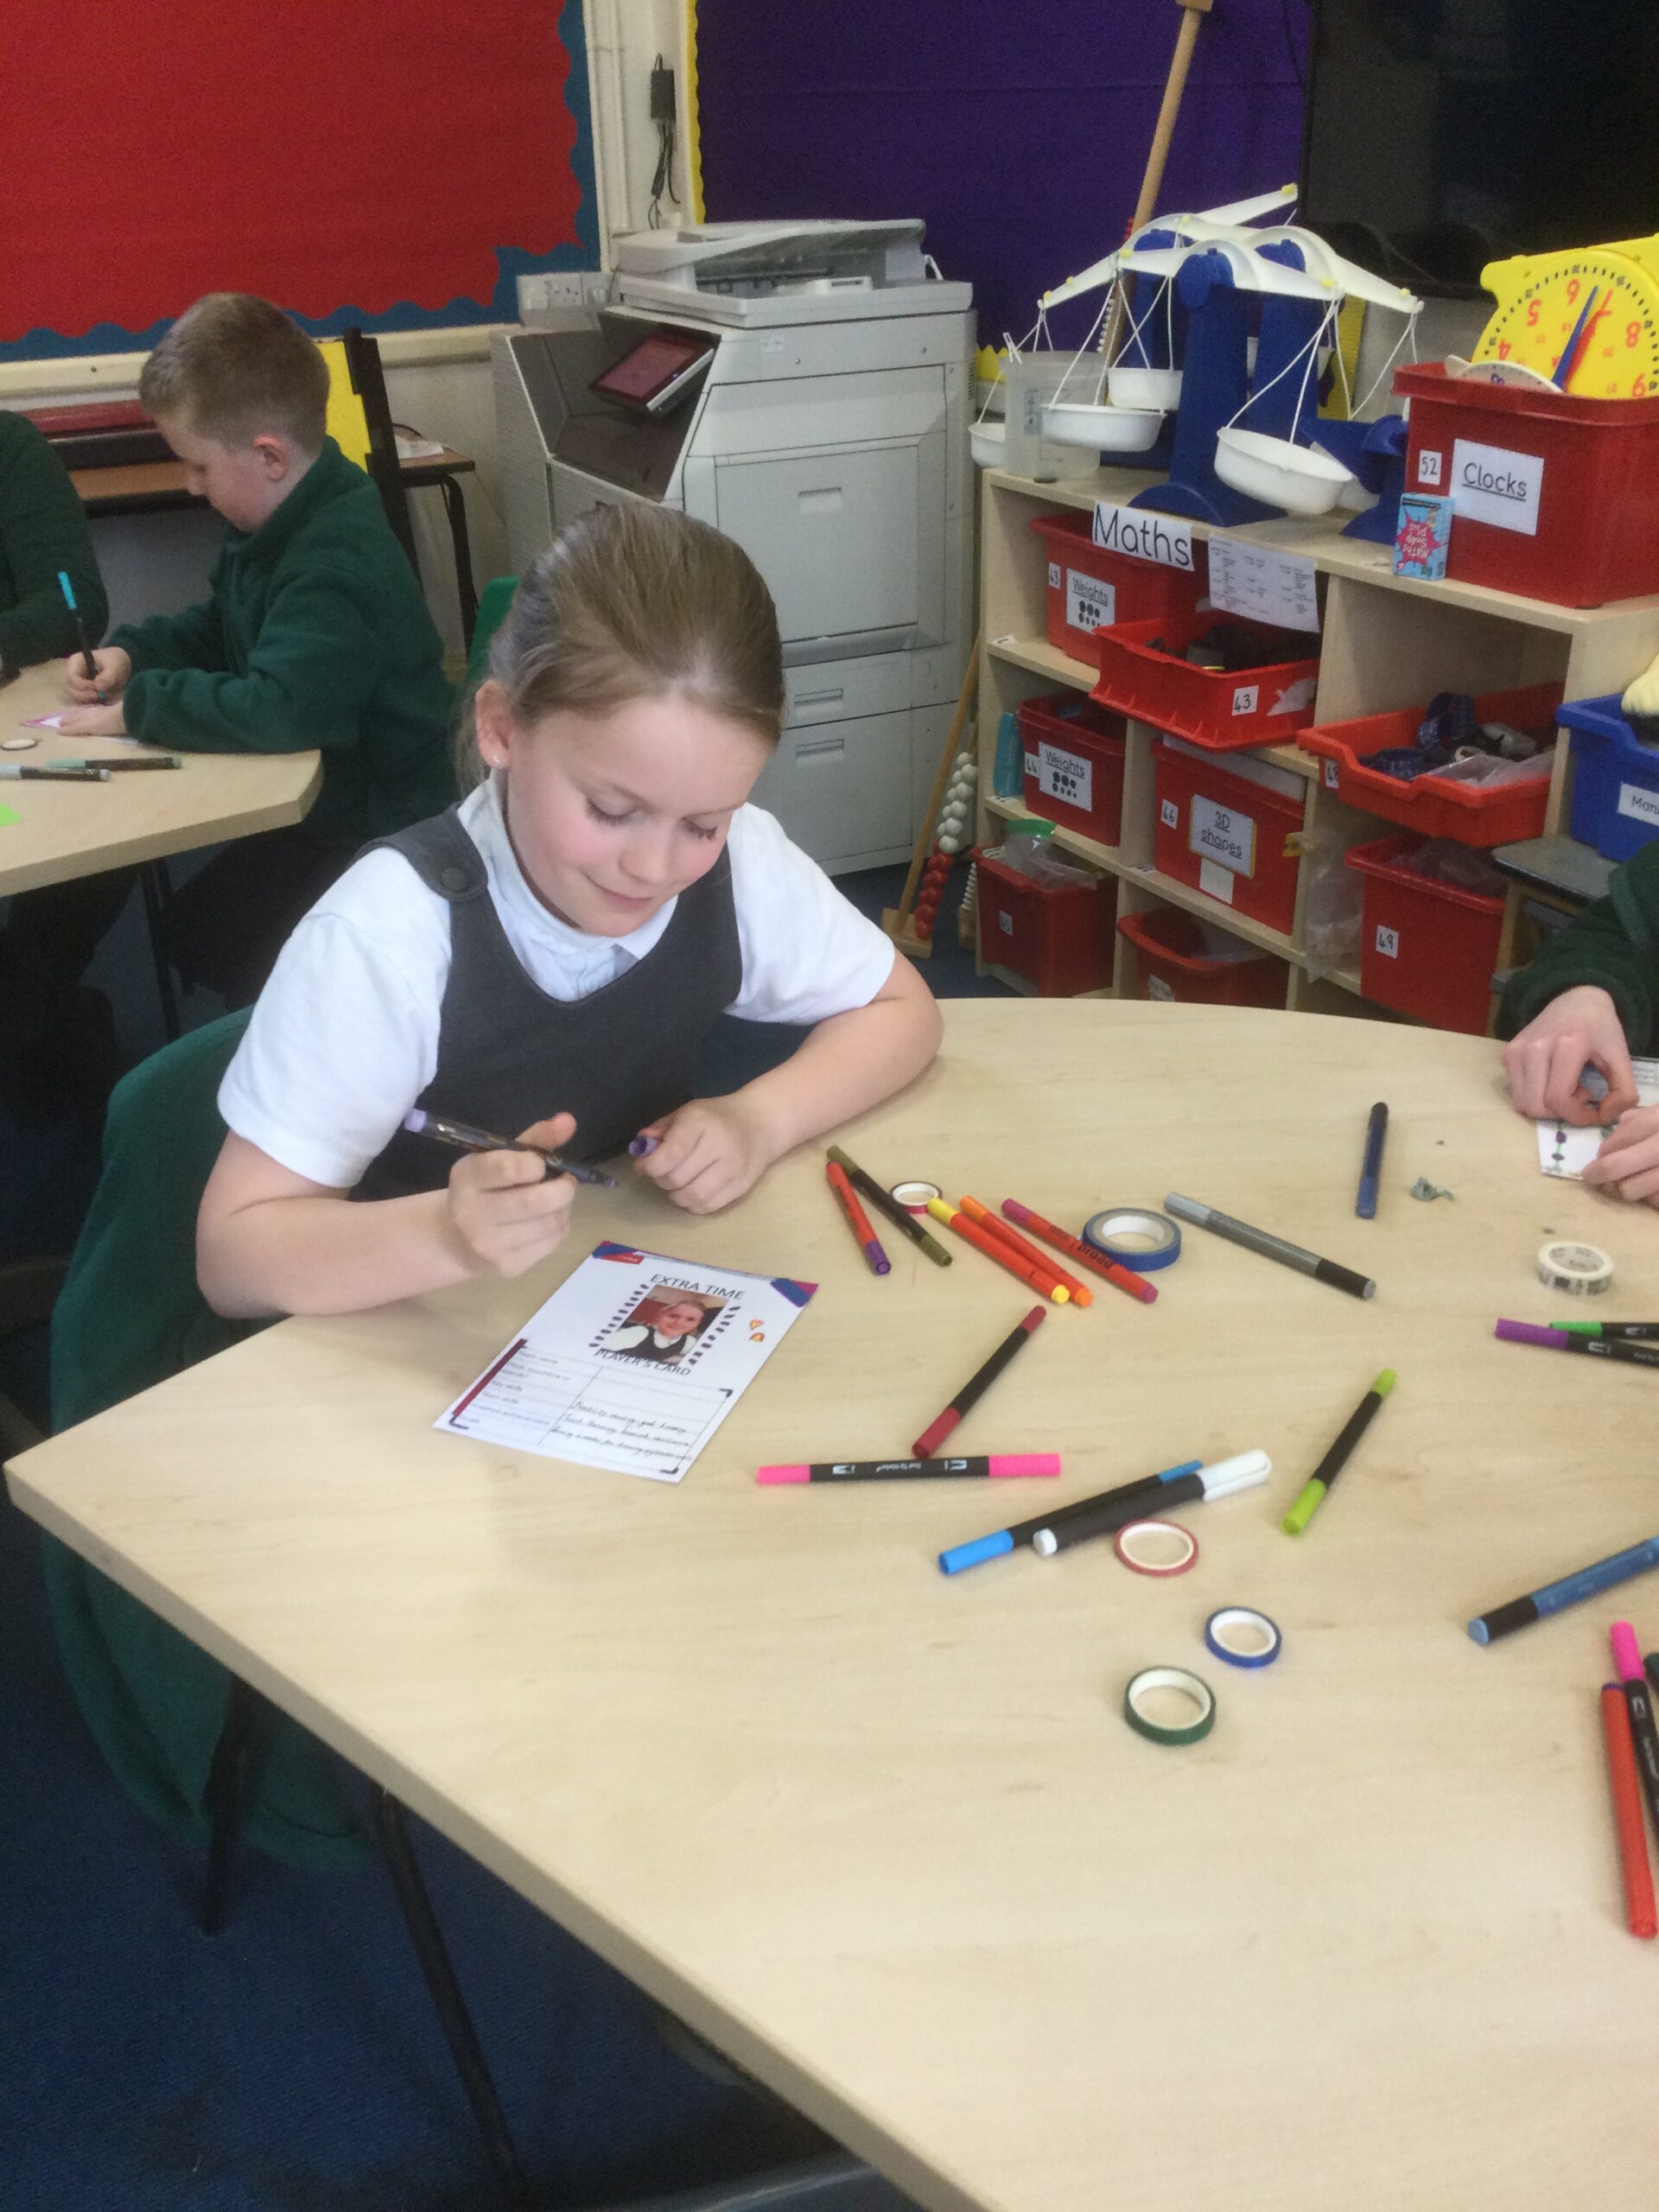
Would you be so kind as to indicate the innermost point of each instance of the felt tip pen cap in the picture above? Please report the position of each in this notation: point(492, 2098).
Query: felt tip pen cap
point(1627, 1652)
point(68, 589)
point(1385, 1382)
point(800, 1473)
point(983, 1548)
point(1242, 1472)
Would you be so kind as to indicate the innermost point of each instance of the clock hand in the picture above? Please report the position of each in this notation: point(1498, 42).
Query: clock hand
point(1578, 336)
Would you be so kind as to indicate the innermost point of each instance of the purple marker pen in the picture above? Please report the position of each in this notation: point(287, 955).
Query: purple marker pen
point(642, 1147)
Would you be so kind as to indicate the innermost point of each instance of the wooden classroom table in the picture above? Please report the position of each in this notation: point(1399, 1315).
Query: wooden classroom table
point(884, 1837)
point(72, 829)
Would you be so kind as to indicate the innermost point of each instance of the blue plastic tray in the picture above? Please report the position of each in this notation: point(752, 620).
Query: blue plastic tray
point(1615, 779)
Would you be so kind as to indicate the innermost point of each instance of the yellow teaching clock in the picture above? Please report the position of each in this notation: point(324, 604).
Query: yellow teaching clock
point(1592, 310)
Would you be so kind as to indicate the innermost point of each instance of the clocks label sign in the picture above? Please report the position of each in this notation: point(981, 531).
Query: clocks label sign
point(1491, 485)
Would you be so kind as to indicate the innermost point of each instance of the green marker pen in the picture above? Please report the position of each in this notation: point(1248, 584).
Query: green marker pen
point(1625, 1331)
point(1337, 1457)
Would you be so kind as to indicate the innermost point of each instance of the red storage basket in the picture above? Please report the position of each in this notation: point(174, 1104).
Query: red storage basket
point(1074, 764)
point(1435, 805)
point(1583, 472)
point(1224, 713)
point(1207, 813)
point(1175, 965)
point(1427, 948)
point(1090, 589)
point(1059, 940)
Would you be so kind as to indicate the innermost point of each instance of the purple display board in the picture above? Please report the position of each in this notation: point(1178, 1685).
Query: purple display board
point(1017, 131)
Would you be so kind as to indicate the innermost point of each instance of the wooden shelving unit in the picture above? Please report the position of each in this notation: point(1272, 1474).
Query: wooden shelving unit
point(1388, 642)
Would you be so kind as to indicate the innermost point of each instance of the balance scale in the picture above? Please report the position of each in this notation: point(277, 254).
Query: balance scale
point(1215, 268)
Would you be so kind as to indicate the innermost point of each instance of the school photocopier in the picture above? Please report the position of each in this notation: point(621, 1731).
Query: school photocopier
point(805, 387)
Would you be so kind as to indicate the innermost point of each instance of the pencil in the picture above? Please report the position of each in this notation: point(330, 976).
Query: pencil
point(857, 1220)
point(977, 1385)
point(995, 1226)
point(885, 1203)
point(1639, 1912)
point(1038, 1278)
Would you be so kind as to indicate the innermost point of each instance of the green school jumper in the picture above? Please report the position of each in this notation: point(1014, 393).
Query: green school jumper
point(1614, 943)
point(314, 634)
point(42, 530)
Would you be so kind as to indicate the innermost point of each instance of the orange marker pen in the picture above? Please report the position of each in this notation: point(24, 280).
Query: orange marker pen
point(1004, 1254)
point(1063, 1240)
point(993, 1225)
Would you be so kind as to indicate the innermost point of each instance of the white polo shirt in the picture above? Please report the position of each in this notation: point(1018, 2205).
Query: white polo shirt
point(345, 1037)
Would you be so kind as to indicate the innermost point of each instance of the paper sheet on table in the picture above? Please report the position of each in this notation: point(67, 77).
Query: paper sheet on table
point(617, 1370)
point(1566, 1151)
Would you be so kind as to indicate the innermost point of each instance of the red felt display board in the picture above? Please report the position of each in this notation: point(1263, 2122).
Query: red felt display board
point(335, 155)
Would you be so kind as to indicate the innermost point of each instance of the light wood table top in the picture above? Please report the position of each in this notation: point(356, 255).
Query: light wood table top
point(884, 1836)
point(71, 829)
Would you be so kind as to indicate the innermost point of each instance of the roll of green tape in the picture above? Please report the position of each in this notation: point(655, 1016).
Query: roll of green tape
point(1149, 1679)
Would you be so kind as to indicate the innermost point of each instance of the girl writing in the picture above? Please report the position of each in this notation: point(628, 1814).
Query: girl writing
point(548, 956)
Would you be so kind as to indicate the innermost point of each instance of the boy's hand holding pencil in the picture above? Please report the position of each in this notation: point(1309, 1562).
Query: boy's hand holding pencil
point(506, 1211)
point(111, 666)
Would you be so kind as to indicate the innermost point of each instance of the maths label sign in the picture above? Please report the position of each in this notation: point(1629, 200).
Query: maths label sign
point(1491, 485)
point(1143, 537)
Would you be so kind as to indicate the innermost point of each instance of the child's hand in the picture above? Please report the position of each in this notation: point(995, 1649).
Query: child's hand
point(92, 721)
point(505, 1211)
point(710, 1152)
point(1628, 1163)
point(1545, 1061)
point(114, 666)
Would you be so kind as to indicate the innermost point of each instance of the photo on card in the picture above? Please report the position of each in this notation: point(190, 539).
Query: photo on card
point(666, 1325)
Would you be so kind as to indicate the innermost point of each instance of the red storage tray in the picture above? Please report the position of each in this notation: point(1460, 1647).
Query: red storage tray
point(1175, 965)
point(1222, 712)
point(1074, 764)
point(1583, 472)
point(1434, 805)
point(1090, 589)
point(1425, 948)
point(1207, 813)
point(1059, 940)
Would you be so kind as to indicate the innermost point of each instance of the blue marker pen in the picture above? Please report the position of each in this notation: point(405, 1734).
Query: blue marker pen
point(962, 1556)
point(1375, 1130)
point(1556, 1597)
point(69, 591)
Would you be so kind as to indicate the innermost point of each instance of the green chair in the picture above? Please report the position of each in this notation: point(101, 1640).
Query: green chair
point(493, 601)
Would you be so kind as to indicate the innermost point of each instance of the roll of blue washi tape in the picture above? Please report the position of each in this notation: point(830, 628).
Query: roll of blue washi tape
point(1135, 1237)
point(1242, 1636)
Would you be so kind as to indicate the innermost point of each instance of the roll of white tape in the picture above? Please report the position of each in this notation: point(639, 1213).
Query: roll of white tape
point(913, 1196)
point(1577, 1270)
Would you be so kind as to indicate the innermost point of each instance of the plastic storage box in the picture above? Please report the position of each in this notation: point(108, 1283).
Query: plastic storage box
point(1222, 712)
point(1059, 940)
point(1440, 806)
point(1615, 779)
point(1427, 948)
point(1223, 829)
point(1553, 496)
point(1090, 589)
point(1178, 960)
point(1074, 764)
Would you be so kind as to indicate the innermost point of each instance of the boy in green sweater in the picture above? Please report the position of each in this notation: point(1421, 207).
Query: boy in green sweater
point(44, 534)
point(1589, 1000)
point(314, 634)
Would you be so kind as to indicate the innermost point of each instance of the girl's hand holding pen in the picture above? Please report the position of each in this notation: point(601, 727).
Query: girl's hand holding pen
point(506, 1211)
point(114, 666)
point(708, 1153)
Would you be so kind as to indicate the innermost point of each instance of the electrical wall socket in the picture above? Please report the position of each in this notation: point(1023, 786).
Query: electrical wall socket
point(560, 288)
